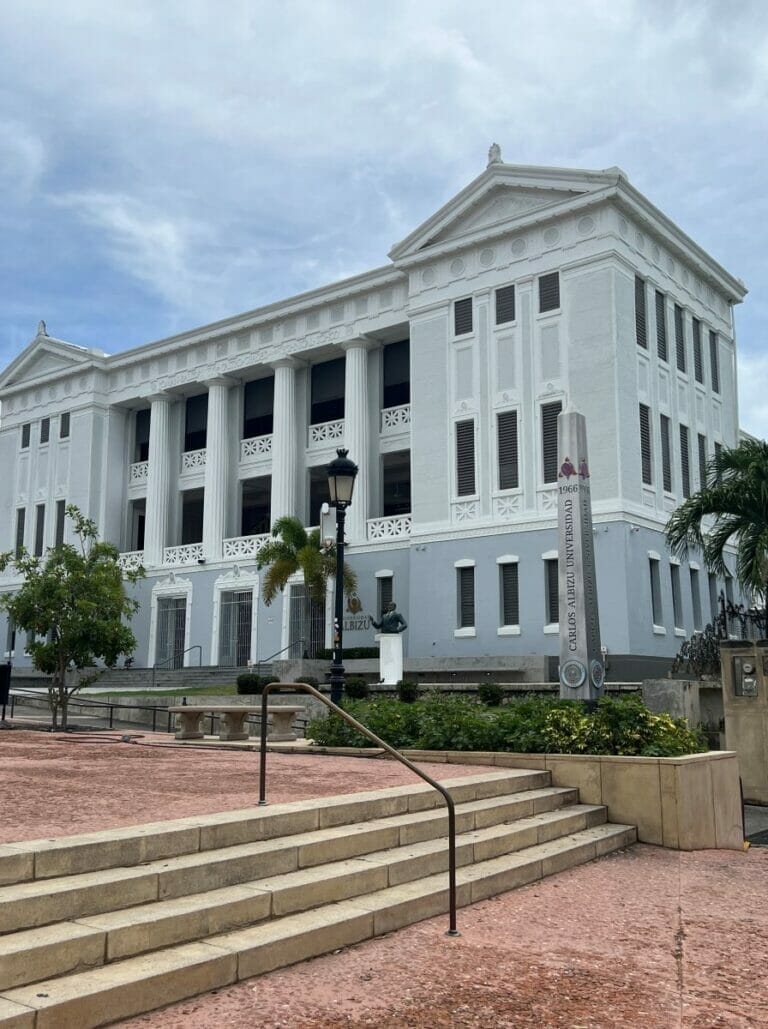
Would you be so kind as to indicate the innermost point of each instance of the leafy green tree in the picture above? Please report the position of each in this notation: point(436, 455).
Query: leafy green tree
point(292, 549)
point(735, 498)
point(74, 604)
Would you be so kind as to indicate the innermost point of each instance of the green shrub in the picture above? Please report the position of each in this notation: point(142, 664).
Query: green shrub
point(407, 692)
point(350, 653)
point(250, 683)
point(309, 680)
point(356, 689)
point(490, 694)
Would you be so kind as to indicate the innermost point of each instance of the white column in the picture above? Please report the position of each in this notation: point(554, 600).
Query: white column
point(284, 440)
point(356, 434)
point(158, 481)
point(216, 468)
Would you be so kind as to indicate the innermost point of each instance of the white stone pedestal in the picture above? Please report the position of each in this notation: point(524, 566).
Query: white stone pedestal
point(390, 657)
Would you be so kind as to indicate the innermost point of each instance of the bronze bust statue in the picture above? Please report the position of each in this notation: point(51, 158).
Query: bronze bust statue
point(391, 620)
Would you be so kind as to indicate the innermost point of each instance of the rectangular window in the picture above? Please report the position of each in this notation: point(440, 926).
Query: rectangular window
point(549, 413)
point(465, 585)
point(714, 362)
point(713, 597)
point(256, 498)
point(137, 523)
point(551, 591)
point(21, 518)
point(192, 516)
point(64, 425)
point(462, 317)
point(396, 483)
point(510, 594)
point(39, 529)
point(685, 462)
point(465, 458)
point(696, 600)
point(549, 292)
point(666, 454)
point(677, 597)
point(679, 338)
point(45, 430)
point(506, 426)
point(661, 326)
point(25, 433)
point(318, 492)
point(60, 517)
point(641, 330)
point(141, 435)
point(258, 406)
point(656, 611)
point(702, 460)
point(327, 391)
point(698, 363)
point(645, 445)
point(397, 374)
point(196, 425)
point(505, 305)
point(385, 592)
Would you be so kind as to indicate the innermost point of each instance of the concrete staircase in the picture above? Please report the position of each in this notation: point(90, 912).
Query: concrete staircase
point(173, 678)
point(104, 926)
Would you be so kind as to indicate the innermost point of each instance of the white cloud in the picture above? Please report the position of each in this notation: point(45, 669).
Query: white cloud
point(22, 159)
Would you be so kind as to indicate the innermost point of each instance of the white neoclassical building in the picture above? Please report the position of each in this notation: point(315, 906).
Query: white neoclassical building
point(442, 372)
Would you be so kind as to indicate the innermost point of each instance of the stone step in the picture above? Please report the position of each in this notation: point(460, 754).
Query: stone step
point(55, 950)
point(138, 984)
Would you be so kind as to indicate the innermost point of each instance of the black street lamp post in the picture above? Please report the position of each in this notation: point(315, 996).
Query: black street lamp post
point(341, 484)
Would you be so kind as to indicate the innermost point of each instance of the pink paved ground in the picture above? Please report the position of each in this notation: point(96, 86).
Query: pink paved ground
point(645, 938)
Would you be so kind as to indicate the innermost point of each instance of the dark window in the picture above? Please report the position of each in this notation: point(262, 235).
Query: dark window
point(702, 460)
point(25, 432)
point(510, 594)
point(256, 502)
point(677, 597)
point(641, 331)
point(396, 483)
point(385, 591)
point(549, 413)
point(465, 458)
point(549, 292)
point(696, 600)
point(506, 424)
point(685, 462)
point(64, 425)
point(551, 587)
point(713, 598)
point(661, 326)
point(45, 430)
point(679, 338)
point(141, 439)
point(462, 316)
point(60, 517)
point(258, 407)
point(397, 374)
point(729, 589)
point(466, 597)
point(718, 455)
point(714, 362)
point(505, 305)
point(645, 445)
point(318, 492)
point(138, 523)
point(39, 529)
point(195, 426)
point(192, 516)
point(21, 518)
point(698, 363)
point(656, 611)
point(666, 454)
point(327, 392)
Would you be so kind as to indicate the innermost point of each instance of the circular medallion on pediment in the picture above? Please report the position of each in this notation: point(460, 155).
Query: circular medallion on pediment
point(428, 276)
point(487, 257)
point(551, 236)
point(597, 673)
point(573, 673)
point(586, 225)
point(640, 240)
point(518, 246)
point(623, 227)
point(457, 266)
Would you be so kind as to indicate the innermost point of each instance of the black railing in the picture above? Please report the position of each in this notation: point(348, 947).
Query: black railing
point(304, 688)
point(746, 623)
point(175, 657)
point(277, 653)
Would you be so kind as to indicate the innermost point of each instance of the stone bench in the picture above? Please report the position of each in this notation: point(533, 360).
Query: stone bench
point(232, 726)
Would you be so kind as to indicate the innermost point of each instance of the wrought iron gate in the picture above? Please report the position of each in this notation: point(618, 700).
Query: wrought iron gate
point(235, 620)
point(171, 626)
point(306, 622)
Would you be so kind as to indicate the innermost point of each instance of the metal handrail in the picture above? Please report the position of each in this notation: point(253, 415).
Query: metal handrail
point(304, 688)
point(264, 660)
point(162, 664)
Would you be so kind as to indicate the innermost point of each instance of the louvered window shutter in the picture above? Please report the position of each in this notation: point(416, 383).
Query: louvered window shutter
point(466, 591)
point(679, 338)
point(505, 305)
point(385, 591)
point(21, 518)
point(549, 292)
point(702, 460)
point(45, 430)
point(661, 326)
point(645, 445)
point(551, 584)
point(718, 455)
point(685, 464)
point(507, 439)
point(25, 434)
point(549, 413)
point(465, 458)
point(698, 364)
point(39, 529)
point(666, 455)
point(60, 514)
point(462, 316)
point(714, 362)
point(641, 333)
point(510, 596)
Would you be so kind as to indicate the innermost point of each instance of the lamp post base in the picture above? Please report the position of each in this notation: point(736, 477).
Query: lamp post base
point(336, 680)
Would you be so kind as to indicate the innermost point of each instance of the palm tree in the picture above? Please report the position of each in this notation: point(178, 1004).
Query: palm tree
point(292, 549)
point(735, 496)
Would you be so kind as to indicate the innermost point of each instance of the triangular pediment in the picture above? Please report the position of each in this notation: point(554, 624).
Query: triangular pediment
point(45, 356)
point(501, 196)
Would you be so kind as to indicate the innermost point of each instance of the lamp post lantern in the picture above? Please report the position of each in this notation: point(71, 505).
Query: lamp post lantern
point(341, 484)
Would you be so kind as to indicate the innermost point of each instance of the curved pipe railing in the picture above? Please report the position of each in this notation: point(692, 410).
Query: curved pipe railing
point(304, 688)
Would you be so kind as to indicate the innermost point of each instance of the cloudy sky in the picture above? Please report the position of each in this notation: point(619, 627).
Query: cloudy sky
point(164, 163)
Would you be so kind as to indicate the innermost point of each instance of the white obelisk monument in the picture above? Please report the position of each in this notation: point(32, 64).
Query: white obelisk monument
point(581, 660)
